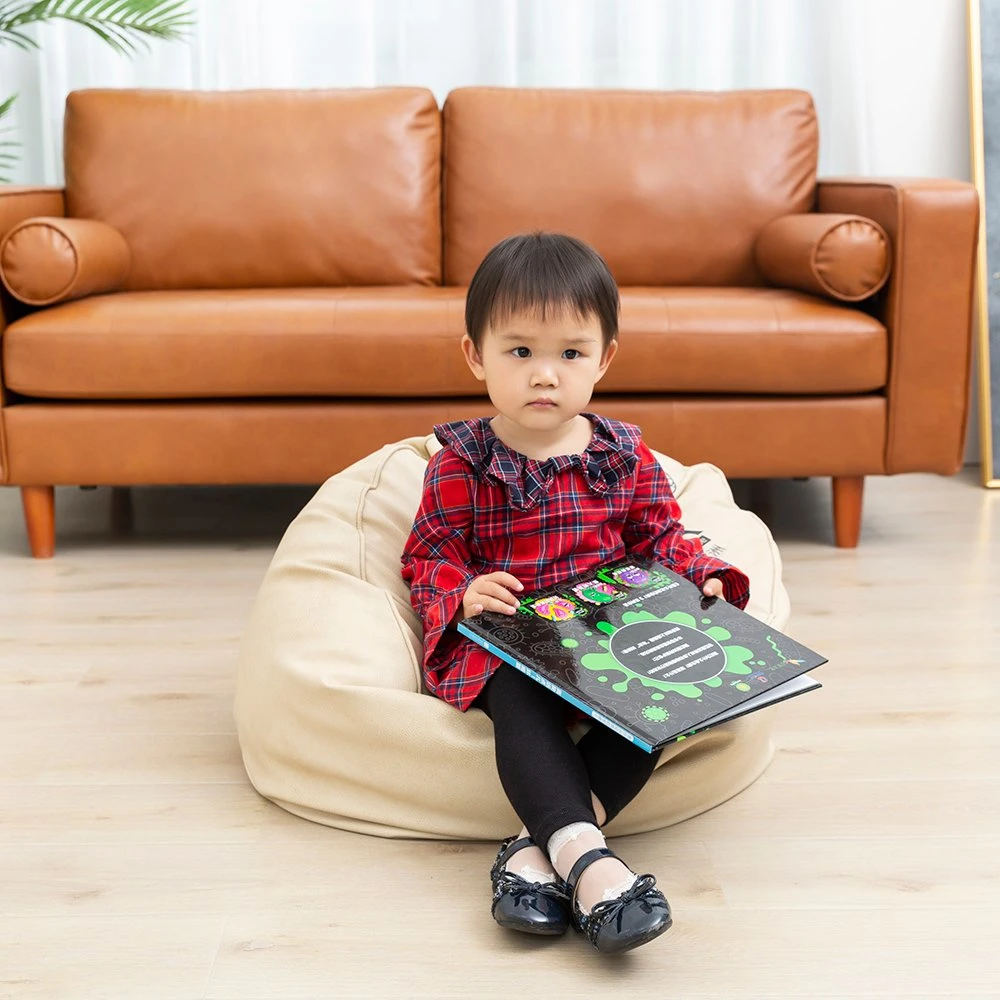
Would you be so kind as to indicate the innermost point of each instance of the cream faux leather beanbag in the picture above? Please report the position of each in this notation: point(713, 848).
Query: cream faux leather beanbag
point(329, 711)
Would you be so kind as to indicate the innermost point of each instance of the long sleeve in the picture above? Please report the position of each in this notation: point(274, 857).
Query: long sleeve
point(653, 529)
point(436, 559)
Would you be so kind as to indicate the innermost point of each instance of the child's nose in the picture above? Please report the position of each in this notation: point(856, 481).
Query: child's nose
point(544, 374)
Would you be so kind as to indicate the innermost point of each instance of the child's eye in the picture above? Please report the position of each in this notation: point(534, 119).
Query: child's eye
point(522, 352)
point(571, 353)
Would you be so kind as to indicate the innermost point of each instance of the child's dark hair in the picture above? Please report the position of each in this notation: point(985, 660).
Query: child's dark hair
point(536, 272)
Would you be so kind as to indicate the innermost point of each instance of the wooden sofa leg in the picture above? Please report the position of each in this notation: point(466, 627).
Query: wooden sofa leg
point(39, 504)
point(847, 496)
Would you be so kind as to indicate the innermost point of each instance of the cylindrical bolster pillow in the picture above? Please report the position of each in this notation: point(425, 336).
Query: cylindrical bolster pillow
point(843, 256)
point(47, 260)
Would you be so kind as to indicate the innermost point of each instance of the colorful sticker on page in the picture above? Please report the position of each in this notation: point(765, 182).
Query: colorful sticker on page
point(596, 592)
point(556, 609)
point(631, 576)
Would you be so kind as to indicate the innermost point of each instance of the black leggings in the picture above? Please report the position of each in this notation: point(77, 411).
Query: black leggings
point(547, 778)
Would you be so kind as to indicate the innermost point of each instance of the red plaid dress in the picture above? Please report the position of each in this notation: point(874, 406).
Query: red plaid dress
point(487, 508)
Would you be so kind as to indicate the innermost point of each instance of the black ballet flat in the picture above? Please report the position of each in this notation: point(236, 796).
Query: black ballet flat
point(529, 907)
point(638, 915)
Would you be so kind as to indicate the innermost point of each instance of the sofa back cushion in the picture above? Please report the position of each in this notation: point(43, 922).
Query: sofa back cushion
point(261, 188)
point(672, 188)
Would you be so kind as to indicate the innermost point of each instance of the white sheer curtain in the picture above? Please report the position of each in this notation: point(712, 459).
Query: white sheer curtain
point(888, 77)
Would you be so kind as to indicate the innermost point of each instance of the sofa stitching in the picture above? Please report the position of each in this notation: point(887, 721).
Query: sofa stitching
point(51, 299)
point(883, 278)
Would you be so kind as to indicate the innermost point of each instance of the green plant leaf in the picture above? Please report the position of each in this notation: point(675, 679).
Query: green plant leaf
point(7, 146)
point(125, 25)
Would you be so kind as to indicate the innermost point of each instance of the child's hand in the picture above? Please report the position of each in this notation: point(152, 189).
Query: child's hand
point(491, 592)
point(712, 587)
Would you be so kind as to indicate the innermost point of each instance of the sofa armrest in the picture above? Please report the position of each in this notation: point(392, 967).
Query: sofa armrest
point(926, 306)
point(16, 205)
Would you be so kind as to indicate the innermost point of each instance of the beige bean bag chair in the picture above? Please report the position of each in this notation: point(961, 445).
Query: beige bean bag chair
point(329, 710)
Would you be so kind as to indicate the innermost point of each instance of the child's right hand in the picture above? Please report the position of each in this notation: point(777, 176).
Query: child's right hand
point(491, 592)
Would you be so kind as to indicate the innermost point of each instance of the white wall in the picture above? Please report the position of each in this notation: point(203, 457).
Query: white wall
point(889, 77)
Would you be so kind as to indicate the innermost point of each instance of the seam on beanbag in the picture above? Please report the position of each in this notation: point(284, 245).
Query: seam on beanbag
point(359, 520)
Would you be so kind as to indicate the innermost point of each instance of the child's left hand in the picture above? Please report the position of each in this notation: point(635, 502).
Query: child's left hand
point(712, 587)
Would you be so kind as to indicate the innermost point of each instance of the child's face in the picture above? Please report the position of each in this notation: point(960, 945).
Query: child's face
point(540, 374)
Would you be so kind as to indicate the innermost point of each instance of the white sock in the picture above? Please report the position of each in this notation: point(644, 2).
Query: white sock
point(566, 834)
point(607, 878)
point(530, 874)
point(614, 891)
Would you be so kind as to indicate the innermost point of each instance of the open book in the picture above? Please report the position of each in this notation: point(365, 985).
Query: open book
point(642, 650)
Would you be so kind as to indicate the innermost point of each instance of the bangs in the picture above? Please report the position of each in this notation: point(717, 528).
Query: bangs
point(546, 275)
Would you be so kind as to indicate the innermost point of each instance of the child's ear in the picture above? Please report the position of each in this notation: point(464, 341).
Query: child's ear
point(609, 353)
point(473, 358)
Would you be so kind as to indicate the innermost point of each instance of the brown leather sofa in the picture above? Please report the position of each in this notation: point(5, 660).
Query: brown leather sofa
point(262, 287)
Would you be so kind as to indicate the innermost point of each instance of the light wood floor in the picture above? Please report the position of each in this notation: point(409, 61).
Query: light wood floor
point(137, 863)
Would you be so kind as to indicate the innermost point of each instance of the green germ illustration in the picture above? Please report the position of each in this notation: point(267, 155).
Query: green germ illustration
point(603, 679)
point(655, 714)
point(596, 596)
point(736, 656)
point(657, 696)
point(774, 646)
point(742, 686)
point(570, 643)
point(706, 621)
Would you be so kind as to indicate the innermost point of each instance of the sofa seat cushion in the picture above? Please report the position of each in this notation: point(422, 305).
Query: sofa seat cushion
point(745, 340)
point(403, 341)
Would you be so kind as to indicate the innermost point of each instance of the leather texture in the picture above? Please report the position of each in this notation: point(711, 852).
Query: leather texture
point(845, 257)
point(398, 342)
point(47, 260)
point(284, 315)
point(671, 188)
point(261, 188)
point(300, 441)
point(18, 203)
point(927, 308)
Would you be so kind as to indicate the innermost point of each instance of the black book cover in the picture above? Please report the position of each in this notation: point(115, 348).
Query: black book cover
point(641, 649)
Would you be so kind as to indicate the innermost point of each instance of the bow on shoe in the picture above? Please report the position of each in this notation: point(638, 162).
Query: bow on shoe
point(608, 909)
point(523, 892)
point(530, 907)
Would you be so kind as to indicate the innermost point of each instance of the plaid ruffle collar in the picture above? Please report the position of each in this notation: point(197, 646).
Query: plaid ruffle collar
point(608, 459)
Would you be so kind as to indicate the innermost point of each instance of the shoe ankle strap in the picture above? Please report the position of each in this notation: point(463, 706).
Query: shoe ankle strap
point(511, 848)
point(582, 864)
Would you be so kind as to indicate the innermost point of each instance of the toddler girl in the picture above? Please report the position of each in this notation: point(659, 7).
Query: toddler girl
point(543, 491)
